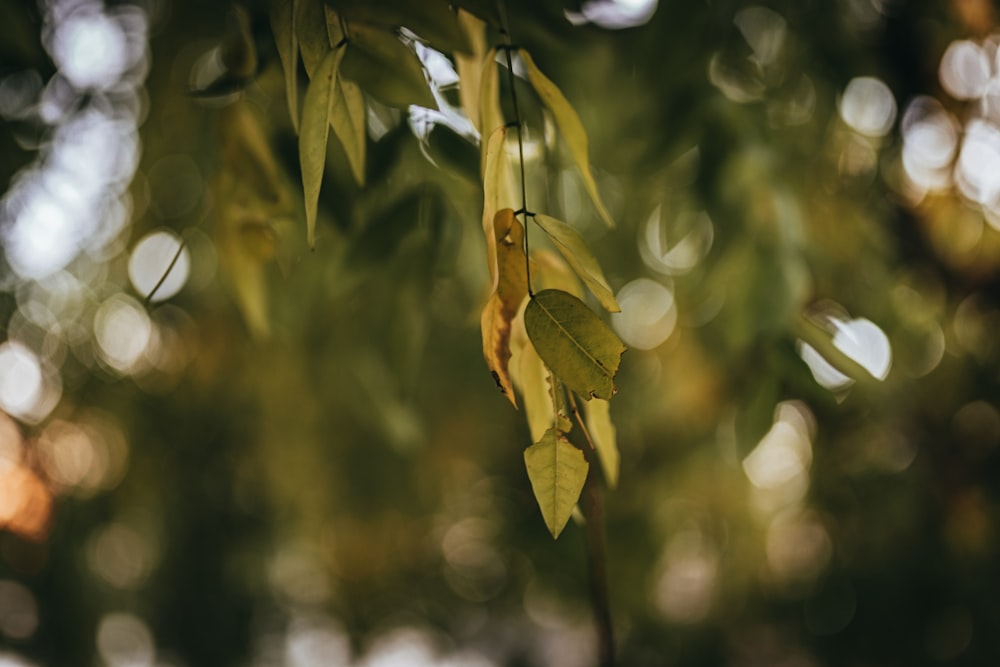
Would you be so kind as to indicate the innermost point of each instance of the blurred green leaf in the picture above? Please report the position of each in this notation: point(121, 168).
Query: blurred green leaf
point(573, 341)
point(282, 15)
point(432, 20)
point(310, 28)
point(348, 121)
point(385, 67)
point(577, 253)
point(603, 433)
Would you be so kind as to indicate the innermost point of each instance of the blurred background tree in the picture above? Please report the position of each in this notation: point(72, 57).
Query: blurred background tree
point(219, 448)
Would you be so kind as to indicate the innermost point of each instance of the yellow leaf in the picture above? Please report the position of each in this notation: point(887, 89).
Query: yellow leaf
point(570, 128)
point(470, 67)
point(557, 471)
point(316, 118)
point(491, 118)
point(603, 433)
point(502, 306)
point(494, 172)
point(531, 378)
point(575, 250)
point(282, 14)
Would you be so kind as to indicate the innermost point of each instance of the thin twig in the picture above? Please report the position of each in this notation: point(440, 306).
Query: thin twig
point(163, 278)
point(597, 564)
point(508, 47)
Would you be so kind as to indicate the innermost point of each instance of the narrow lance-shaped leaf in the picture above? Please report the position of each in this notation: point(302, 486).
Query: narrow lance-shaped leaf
point(604, 435)
point(310, 28)
point(573, 341)
point(491, 118)
point(531, 379)
point(348, 121)
point(503, 304)
point(575, 250)
point(319, 104)
point(470, 67)
point(282, 15)
point(493, 174)
point(432, 20)
point(570, 128)
point(557, 471)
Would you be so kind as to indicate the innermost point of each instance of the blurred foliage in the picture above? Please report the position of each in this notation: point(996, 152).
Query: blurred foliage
point(311, 464)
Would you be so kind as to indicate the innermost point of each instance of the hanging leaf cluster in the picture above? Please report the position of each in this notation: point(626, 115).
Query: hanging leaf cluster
point(548, 345)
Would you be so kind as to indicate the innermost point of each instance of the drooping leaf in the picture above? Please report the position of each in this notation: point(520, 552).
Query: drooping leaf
point(493, 194)
point(316, 116)
point(432, 20)
point(310, 28)
point(334, 28)
point(491, 118)
point(470, 67)
point(282, 14)
point(484, 9)
point(575, 250)
point(573, 341)
point(531, 379)
point(385, 67)
point(504, 303)
point(348, 121)
point(604, 435)
point(557, 471)
point(570, 128)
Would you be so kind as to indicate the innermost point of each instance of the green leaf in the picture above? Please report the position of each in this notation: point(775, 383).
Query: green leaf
point(385, 67)
point(602, 432)
point(575, 250)
point(310, 28)
point(282, 14)
point(503, 304)
point(557, 471)
point(484, 9)
point(573, 341)
point(316, 116)
point(348, 121)
point(570, 128)
point(432, 20)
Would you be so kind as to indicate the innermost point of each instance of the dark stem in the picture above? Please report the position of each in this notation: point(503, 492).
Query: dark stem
point(597, 566)
point(163, 278)
point(507, 47)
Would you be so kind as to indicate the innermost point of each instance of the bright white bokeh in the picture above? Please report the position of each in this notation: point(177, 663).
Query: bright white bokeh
point(90, 49)
point(860, 340)
point(150, 261)
point(123, 331)
point(930, 142)
point(868, 107)
point(614, 14)
point(648, 314)
point(125, 640)
point(783, 456)
point(21, 381)
point(680, 255)
point(964, 70)
point(977, 172)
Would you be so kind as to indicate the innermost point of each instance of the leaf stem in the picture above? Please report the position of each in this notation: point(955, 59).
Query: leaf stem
point(507, 47)
point(579, 420)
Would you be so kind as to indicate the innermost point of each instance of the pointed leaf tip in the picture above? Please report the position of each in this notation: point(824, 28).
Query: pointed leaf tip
point(557, 471)
point(574, 342)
